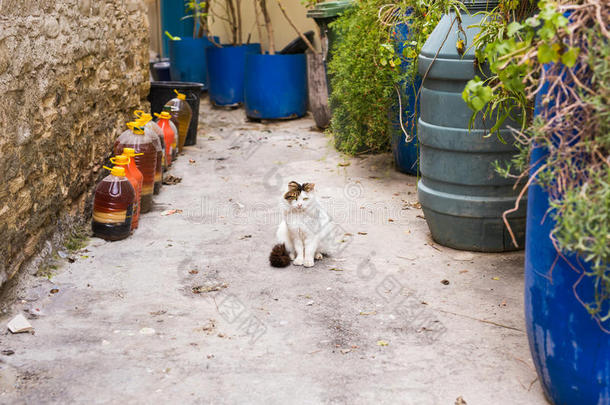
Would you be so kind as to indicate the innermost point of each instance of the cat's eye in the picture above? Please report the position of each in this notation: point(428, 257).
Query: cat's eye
point(305, 198)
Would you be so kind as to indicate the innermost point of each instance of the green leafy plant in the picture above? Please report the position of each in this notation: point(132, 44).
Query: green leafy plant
point(199, 10)
point(560, 55)
point(366, 68)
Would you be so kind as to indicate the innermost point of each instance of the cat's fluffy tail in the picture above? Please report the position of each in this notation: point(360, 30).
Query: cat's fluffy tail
point(279, 256)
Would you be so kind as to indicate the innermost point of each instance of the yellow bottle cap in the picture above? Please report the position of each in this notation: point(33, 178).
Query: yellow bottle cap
point(142, 116)
point(164, 115)
point(130, 152)
point(136, 127)
point(120, 160)
point(180, 95)
point(116, 171)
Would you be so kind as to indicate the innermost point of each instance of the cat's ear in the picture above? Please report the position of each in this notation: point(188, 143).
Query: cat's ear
point(308, 187)
point(294, 186)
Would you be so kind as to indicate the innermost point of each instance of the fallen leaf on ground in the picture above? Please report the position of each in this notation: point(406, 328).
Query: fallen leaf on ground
point(193, 271)
point(362, 233)
point(368, 313)
point(460, 401)
point(8, 352)
point(170, 180)
point(343, 164)
point(495, 278)
point(201, 289)
point(445, 282)
point(345, 351)
point(54, 290)
point(245, 237)
point(382, 343)
point(19, 325)
point(192, 161)
point(171, 212)
point(463, 271)
point(335, 269)
point(390, 220)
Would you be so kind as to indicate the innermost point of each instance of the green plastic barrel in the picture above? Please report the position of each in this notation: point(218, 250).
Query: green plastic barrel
point(324, 14)
point(462, 196)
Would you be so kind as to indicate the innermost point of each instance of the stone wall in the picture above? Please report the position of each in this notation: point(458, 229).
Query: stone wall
point(71, 73)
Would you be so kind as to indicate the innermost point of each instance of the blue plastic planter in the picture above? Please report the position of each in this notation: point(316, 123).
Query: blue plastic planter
point(569, 348)
point(188, 61)
point(172, 14)
point(405, 154)
point(275, 86)
point(226, 68)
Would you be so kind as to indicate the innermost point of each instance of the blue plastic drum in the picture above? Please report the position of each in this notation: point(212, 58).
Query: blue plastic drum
point(570, 349)
point(188, 61)
point(405, 153)
point(276, 86)
point(226, 68)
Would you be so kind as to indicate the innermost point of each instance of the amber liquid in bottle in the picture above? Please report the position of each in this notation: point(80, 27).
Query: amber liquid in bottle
point(154, 132)
point(181, 116)
point(146, 162)
point(113, 208)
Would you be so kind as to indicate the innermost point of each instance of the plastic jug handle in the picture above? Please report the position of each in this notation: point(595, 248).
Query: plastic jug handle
point(113, 160)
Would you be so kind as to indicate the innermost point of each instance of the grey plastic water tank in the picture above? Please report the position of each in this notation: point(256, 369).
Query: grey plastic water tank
point(462, 196)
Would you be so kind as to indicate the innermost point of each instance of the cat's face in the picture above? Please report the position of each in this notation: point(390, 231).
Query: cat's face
point(299, 197)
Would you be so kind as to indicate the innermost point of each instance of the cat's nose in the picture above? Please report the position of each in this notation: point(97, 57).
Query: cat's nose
point(299, 206)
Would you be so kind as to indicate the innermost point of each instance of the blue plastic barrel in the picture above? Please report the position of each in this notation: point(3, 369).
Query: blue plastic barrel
point(570, 349)
point(172, 13)
point(226, 73)
point(275, 86)
point(188, 62)
point(405, 153)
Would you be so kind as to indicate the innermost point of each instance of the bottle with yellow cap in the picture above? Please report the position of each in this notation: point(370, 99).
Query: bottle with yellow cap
point(164, 122)
point(145, 159)
point(152, 130)
point(113, 206)
point(135, 178)
point(181, 115)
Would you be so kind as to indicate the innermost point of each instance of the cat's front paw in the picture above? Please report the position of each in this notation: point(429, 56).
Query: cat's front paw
point(292, 256)
point(318, 256)
point(298, 261)
point(308, 263)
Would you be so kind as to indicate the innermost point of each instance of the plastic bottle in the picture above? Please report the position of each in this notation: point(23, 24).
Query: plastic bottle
point(172, 124)
point(135, 138)
point(113, 206)
point(163, 121)
point(135, 178)
point(152, 130)
point(181, 115)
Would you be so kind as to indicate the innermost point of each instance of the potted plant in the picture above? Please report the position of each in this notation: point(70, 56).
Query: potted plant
point(227, 61)
point(276, 84)
point(557, 61)
point(187, 56)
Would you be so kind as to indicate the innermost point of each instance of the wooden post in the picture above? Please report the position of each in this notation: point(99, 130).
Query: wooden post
point(317, 87)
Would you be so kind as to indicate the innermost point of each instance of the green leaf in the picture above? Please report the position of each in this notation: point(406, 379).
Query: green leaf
point(569, 57)
point(532, 22)
point(513, 28)
point(546, 53)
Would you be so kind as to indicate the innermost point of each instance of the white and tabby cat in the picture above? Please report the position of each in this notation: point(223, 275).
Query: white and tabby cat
point(303, 234)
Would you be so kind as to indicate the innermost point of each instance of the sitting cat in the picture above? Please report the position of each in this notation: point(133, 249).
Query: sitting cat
point(304, 233)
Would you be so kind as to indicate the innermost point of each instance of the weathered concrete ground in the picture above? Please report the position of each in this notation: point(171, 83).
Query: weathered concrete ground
point(394, 318)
